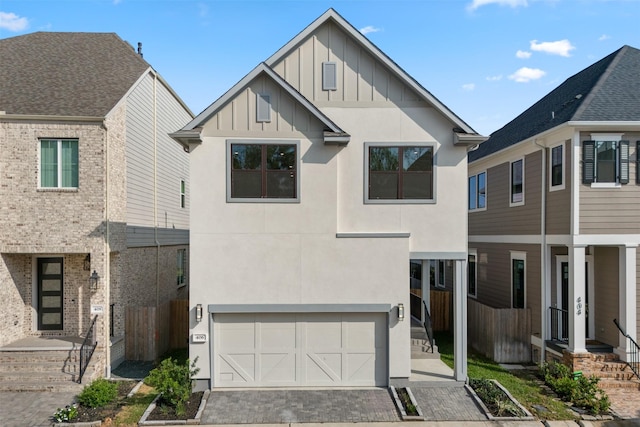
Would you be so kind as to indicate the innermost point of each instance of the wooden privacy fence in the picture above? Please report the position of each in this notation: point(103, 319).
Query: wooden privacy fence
point(502, 334)
point(150, 332)
point(440, 307)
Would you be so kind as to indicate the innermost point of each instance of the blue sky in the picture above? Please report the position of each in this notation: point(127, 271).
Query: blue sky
point(487, 60)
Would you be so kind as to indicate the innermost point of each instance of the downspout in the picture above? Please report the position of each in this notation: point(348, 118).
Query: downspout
point(107, 262)
point(543, 252)
point(155, 200)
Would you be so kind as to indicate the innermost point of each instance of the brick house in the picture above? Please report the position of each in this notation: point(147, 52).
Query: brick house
point(91, 185)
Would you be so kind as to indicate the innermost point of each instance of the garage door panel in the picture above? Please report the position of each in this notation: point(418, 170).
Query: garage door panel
point(304, 349)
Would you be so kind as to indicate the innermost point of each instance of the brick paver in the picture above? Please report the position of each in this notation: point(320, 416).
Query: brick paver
point(290, 406)
point(447, 404)
point(31, 409)
point(625, 402)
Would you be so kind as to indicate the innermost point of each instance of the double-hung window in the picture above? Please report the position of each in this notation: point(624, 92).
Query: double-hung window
point(263, 170)
point(605, 160)
point(58, 163)
point(478, 191)
point(556, 169)
point(399, 173)
point(517, 183)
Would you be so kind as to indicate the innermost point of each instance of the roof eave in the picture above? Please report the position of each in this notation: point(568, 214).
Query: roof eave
point(468, 139)
point(186, 138)
point(49, 118)
point(331, 138)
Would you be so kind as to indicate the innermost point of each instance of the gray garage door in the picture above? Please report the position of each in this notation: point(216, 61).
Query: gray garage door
point(324, 349)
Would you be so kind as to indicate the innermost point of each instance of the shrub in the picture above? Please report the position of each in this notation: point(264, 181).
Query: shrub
point(495, 399)
point(581, 391)
point(173, 381)
point(99, 393)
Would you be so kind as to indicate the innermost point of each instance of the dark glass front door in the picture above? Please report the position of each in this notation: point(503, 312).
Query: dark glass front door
point(50, 285)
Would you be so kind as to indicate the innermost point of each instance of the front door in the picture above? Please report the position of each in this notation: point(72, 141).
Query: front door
point(50, 286)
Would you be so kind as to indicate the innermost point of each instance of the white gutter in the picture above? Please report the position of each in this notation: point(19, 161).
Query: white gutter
point(543, 252)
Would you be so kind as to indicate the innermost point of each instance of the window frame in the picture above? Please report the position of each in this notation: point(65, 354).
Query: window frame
point(229, 170)
point(476, 178)
point(519, 256)
point(601, 138)
point(511, 192)
point(367, 149)
point(561, 185)
point(183, 194)
point(441, 271)
point(472, 253)
point(181, 264)
point(329, 76)
point(59, 164)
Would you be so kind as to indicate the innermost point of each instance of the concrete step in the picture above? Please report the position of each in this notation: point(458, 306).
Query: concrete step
point(39, 356)
point(609, 384)
point(49, 376)
point(27, 385)
point(10, 367)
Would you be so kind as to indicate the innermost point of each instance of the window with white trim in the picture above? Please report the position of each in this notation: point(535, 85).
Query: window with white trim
point(516, 182)
point(396, 173)
point(478, 191)
point(262, 170)
point(518, 279)
point(472, 273)
point(605, 160)
point(556, 167)
point(58, 163)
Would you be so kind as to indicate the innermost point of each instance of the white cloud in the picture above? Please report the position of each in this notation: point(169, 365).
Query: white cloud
point(475, 4)
point(523, 54)
point(560, 47)
point(525, 75)
point(12, 22)
point(469, 86)
point(604, 37)
point(494, 78)
point(369, 29)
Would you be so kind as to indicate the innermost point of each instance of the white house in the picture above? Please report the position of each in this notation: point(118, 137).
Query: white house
point(315, 180)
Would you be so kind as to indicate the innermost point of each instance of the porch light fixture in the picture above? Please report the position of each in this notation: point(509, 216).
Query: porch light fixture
point(93, 281)
point(87, 263)
point(401, 312)
point(198, 312)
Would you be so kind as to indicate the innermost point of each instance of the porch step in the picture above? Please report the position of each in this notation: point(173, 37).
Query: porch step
point(613, 384)
point(46, 370)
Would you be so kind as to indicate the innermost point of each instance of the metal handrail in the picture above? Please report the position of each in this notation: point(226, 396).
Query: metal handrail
point(633, 351)
point(86, 350)
point(559, 324)
point(427, 325)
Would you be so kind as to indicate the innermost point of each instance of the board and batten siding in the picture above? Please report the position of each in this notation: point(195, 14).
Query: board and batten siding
point(606, 299)
point(558, 218)
point(493, 268)
point(172, 161)
point(360, 78)
point(239, 115)
point(612, 210)
point(501, 219)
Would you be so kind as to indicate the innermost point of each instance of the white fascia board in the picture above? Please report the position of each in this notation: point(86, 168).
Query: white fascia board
point(378, 54)
point(605, 125)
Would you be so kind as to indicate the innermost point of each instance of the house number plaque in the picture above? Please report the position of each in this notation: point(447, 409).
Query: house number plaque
point(198, 337)
point(579, 306)
point(97, 309)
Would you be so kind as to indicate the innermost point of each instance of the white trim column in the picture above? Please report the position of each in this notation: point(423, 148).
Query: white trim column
point(627, 297)
point(426, 286)
point(577, 299)
point(460, 321)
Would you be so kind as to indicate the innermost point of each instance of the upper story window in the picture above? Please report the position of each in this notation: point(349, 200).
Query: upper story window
point(262, 170)
point(329, 76)
point(399, 173)
point(183, 194)
point(605, 160)
point(478, 191)
point(517, 183)
point(59, 163)
point(556, 170)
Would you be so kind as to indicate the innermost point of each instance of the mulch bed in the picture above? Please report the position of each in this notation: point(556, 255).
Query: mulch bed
point(165, 412)
point(86, 414)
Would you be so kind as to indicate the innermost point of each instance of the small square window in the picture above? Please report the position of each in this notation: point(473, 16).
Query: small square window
point(59, 163)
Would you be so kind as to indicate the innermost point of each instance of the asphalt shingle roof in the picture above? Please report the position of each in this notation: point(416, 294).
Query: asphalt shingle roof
point(608, 90)
point(66, 74)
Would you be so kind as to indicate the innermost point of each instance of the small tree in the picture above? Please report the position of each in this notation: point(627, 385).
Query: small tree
point(173, 380)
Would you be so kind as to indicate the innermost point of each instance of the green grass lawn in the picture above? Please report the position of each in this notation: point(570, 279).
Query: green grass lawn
point(522, 385)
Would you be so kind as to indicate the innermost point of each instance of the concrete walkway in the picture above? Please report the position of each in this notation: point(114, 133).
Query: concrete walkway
point(31, 409)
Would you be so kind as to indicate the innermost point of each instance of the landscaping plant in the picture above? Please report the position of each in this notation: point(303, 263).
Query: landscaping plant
point(173, 380)
point(581, 391)
point(495, 399)
point(99, 393)
point(66, 414)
